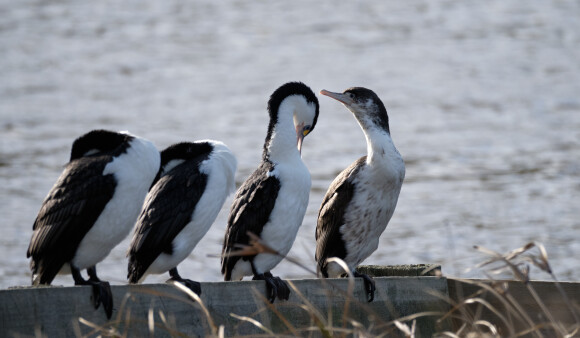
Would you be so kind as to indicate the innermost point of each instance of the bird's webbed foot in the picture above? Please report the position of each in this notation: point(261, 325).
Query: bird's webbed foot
point(192, 285)
point(369, 285)
point(101, 289)
point(275, 286)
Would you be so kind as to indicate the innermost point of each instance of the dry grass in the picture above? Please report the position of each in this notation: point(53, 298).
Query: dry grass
point(493, 310)
point(489, 309)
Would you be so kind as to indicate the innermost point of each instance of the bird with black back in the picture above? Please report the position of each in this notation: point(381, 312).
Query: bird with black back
point(184, 201)
point(91, 208)
point(271, 203)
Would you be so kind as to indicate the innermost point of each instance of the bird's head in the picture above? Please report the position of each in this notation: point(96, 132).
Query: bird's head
point(366, 106)
point(100, 142)
point(303, 104)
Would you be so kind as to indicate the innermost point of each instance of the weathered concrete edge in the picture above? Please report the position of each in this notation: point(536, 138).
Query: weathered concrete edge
point(55, 311)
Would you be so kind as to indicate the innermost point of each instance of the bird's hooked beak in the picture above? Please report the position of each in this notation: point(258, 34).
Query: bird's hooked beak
point(343, 98)
point(300, 133)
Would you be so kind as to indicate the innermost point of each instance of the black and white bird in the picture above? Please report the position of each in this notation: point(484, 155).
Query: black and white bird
point(361, 200)
point(92, 208)
point(192, 185)
point(272, 202)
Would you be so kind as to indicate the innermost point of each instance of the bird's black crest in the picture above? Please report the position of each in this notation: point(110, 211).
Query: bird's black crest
point(289, 89)
point(185, 151)
point(380, 116)
point(182, 151)
point(101, 141)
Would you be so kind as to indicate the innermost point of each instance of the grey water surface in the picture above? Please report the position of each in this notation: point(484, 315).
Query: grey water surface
point(483, 99)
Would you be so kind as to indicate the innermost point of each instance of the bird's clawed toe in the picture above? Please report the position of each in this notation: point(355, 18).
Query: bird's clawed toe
point(101, 290)
point(192, 285)
point(369, 285)
point(275, 287)
point(271, 288)
point(102, 294)
point(283, 291)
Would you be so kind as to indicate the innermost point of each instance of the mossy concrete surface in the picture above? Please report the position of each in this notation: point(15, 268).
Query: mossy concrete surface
point(400, 270)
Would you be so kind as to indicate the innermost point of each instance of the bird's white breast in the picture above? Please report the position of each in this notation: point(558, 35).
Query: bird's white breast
point(377, 187)
point(134, 172)
point(288, 212)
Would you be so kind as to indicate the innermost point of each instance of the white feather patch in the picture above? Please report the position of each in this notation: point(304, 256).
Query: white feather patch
point(134, 172)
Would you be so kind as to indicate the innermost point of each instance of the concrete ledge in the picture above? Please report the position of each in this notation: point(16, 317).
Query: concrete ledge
point(55, 311)
point(315, 304)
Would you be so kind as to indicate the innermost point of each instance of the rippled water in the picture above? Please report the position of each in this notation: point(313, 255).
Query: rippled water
point(483, 99)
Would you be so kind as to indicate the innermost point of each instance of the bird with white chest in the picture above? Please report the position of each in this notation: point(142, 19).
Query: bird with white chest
point(272, 202)
point(361, 200)
point(91, 208)
point(184, 201)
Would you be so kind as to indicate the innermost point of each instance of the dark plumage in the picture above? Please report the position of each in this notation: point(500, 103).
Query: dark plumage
point(332, 212)
point(254, 202)
point(168, 206)
point(77, 209)
point(170, 224)
point(67, 214)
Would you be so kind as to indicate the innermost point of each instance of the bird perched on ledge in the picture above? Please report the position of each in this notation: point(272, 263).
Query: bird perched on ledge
point(361, 200)
point(184, 201)
point(92, 208)
point(272, 202)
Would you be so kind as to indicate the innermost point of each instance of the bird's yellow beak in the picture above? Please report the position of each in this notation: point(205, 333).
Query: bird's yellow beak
point(300, 133)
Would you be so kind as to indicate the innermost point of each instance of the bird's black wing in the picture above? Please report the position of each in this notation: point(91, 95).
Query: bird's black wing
point(68, 212)
point(329, 241)
point(250, 211)
point(168, 208)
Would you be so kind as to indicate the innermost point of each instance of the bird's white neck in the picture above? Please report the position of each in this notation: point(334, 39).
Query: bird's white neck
point(380, 146)
point(283, 143)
